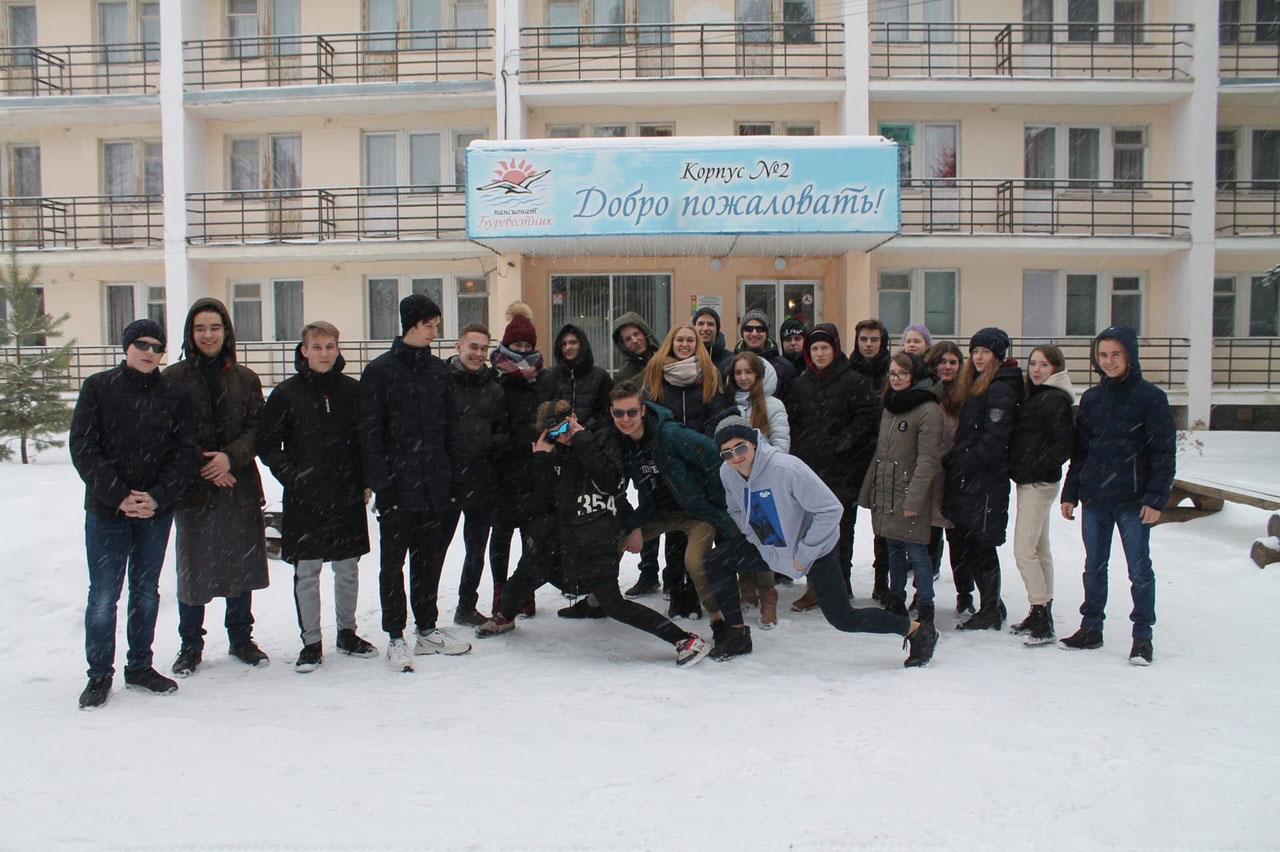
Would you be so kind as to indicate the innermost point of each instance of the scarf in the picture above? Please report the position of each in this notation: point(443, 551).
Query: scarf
point(682, 373)
point(526, 365)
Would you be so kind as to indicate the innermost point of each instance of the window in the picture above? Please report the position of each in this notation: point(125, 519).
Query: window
point(1037, 17)
point(1264, 166)
point(463, 298)
point(781, 298)
point(122, 23)
point(1224, 306)
point(776, 128)
point(924, 296)
point(609, 131)
point(1225, 169)
point(1082, 20)
point(264, 162)
point(113, 31)
point(589, 300)
point(246, 310)
point(934, 158)
point(127, 302)
point(1124, 17)
point(23, 172)
point(1128, 20)
point(1079, 303)
point(913, 20)
point(287, 302)
point(282, 313)
point(1264, 307)
point(132, 168)
point(797, 18)
point(249, 21)
point(402, 158)
point(1095, 156)
point(649, 129)
point(616, 22)
point(1268, 18)
point(416, 24)
point(461, 139)
point(754, 18)
point(21, 20)
point(566, 16)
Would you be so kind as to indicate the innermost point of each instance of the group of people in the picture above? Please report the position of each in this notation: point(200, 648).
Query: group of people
point(751, 463)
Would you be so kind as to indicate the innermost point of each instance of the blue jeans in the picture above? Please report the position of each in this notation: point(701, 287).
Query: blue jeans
point(904, 555)
point(114, 547)
point(1096, 524)
point(238, 621)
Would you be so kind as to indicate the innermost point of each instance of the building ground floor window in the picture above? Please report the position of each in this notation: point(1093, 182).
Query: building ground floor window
point(592, 301)
point(126, 302)
point(1061, 302)
point(780, 298)
point(918, 296)
point(1245, 305)
point(463, 299)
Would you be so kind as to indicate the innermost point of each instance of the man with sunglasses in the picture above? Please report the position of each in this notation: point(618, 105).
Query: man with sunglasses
point(755, 338)
point(676, 474)
point(132, 441)
point(790, 522)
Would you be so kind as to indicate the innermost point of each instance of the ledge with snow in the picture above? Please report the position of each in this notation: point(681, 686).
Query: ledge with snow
point(716, 196)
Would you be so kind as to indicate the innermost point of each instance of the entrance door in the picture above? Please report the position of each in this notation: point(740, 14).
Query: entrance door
point(593, 302)
point(780, 298)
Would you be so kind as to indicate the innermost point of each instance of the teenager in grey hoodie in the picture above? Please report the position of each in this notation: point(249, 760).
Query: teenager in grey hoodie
point(790, 521)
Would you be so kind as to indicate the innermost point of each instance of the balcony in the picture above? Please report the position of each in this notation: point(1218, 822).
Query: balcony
point(433, 56)
point(1031, 51)
point(1246, 363)
point(330, 214)
point(1246, 208)
point(80, 69)
point(80, 222)
point(1021, 206)
point(708, 51)
point(1248, 52)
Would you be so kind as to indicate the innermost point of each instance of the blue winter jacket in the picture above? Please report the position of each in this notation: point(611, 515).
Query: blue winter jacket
point(1125, 438)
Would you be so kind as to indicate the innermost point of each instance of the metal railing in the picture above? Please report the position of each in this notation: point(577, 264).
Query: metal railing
point(1164, 359)
point(702, 51)
point(81, 221)
point(80, 69)
point(329, 213)
point(271, 360)
point(1035, 206)
point(1035, 50)
point(1246, 362)
point(1248, 207)
point(1248, 51)
point(361, 57)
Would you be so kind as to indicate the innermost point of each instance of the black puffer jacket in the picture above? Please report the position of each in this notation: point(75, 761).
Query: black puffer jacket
point(688, 408)
point(482, 430)
point(875, 368)
point(1126, 441)
point(527, 485)
point(309, 439)
point(976, 492)
point(409, 443)
point(590, 482)
point(834, 420)
point(584, 384)
point(1043, 432)
point(132, 431)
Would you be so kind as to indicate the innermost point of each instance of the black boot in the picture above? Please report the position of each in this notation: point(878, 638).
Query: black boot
point(964, 604)
point(1041, 631)
point(96, 693)
point(924, 613)
point(1025, 625)
point(991, 612)
point(731, 641)
point(922, 643)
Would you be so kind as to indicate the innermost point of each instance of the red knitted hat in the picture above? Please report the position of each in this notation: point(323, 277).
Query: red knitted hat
point(520, 330)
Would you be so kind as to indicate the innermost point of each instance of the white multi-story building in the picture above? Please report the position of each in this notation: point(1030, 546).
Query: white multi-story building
point(1064, 164)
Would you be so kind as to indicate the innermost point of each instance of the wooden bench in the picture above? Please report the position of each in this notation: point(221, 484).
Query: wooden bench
point(1209, 497)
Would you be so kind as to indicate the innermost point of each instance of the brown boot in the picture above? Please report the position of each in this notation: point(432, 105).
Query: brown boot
point(768, 609)
point(806, 602)
point(748, 591)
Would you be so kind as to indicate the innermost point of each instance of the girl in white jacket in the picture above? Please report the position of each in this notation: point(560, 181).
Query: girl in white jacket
point(745, 389)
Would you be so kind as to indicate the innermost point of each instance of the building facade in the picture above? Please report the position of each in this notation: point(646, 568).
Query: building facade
point(1064, 165)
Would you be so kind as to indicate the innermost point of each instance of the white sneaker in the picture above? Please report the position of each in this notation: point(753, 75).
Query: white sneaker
point(398, 657)
point(690, 651)
point(438, 642)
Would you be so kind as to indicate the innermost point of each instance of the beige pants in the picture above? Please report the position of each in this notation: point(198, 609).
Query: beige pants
point(1031, 539)
point(701, 535)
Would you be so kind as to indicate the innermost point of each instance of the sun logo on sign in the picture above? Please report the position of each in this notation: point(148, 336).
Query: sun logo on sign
point(514, 178)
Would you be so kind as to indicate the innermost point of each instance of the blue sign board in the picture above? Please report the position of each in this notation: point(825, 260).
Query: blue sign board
point(682, 186)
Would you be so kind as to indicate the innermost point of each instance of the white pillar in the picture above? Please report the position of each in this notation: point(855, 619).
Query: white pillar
point(1193, 146)
point(855, 106)
point(507, 82)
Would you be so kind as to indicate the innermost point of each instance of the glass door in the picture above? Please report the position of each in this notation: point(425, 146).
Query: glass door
point(592, 302)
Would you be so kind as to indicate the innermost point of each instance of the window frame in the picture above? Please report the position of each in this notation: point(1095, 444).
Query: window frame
point(634, 129)
point(1088, 29)
point(140, 159)
point(917, 310)
point(908, 16)
point(266, 171)
point(406, 40)
point(452, 285)
point(1107, 150)
point(778, 128)
point(1242, 297)
point(142, 302)
point(915, 156)
point(266, 300)
point(1104, 292)
point(404, 159)
point(8, 172)
point(21, 59)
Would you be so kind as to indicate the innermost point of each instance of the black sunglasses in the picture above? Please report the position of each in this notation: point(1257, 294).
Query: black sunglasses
point(143, 345)
point(754, 329)
point(619, 413)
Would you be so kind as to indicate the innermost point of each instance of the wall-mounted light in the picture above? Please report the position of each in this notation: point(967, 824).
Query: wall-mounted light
point(716, 264)
point(779, 263)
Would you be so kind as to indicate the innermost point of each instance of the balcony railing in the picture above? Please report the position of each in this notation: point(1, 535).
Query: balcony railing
point(80, 69)
point(324, 214)
point(81, 221)
point(1248, 207)
point(699, 51)
point(1248, 51)
point(1246, 362)
point(1017, 50)
point(1033, 206)
point(369, 57)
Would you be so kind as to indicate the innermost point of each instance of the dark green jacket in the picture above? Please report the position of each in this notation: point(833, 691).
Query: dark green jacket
point(689, 465)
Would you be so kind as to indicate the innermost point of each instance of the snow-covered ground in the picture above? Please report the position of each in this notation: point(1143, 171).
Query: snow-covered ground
point(571, 735)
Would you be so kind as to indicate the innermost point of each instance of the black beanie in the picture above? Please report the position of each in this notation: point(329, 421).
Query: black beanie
point(711, 312)
point(141, 328)
point(792, 326)
point(992, 338)
point(415, 308)
point(734, 427)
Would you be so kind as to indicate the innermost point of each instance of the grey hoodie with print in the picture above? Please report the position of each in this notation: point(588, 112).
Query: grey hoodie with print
point(783, 508)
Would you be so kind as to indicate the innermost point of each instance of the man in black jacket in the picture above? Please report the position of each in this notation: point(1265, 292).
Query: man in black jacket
point(755, 338)
point(870, 357)
point(309, 440)
point(409, 448)
point(707, 323)
point(132, 441)
point(482, 429)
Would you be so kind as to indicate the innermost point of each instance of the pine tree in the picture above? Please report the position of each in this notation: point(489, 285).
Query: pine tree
point(32, 411)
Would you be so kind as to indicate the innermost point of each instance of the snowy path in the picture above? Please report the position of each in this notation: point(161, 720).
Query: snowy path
point(571, 736)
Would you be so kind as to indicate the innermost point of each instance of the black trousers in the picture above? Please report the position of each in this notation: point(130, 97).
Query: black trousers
point(475, 536)
point(979, 565)
point(959, 571)
point(414, 532)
